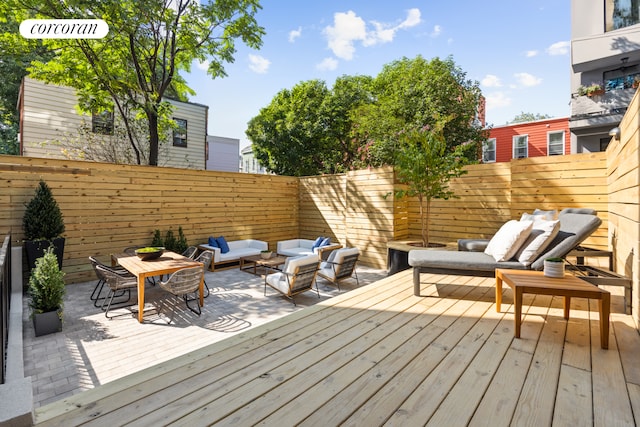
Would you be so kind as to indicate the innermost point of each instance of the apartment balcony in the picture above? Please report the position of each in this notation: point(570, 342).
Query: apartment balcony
point(599, 110)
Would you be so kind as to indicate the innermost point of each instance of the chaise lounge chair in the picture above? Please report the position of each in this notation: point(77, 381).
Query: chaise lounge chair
point(575, 226)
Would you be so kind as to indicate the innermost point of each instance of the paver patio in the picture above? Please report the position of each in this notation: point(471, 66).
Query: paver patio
point(92, 350)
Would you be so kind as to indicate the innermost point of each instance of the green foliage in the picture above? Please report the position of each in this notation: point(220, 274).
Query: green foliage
point(46, 284)
point(170, 242)
point(157, 238)
point(529, 117)
point(308, 130)
point(312, 130)
point(412, 93)
point(425, 165)
point(42, 217)
point(139, 62)
point(181, 243)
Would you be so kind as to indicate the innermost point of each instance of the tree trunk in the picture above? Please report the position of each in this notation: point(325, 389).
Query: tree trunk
point(152, 117)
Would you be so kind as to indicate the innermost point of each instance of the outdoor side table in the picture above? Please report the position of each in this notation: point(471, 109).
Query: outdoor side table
point(535, 282)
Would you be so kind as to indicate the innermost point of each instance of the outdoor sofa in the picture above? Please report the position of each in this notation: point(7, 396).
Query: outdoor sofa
point(236, 250)
point(575, 225)
point(297, 247)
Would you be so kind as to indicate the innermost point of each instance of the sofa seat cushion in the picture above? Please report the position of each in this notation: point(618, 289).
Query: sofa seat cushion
point(296, 251)
point(238, 253)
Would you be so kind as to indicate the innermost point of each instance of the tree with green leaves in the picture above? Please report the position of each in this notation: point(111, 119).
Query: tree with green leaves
point(138, 63)
point(410, 93)
point(529, 117)
point(307, 130)
point(425, 164)
point(17, 54)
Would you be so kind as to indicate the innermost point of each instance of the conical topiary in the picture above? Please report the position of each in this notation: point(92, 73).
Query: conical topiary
point(46, 284)
point(42, 218)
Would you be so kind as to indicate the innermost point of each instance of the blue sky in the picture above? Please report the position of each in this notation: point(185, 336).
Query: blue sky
point(517, 50)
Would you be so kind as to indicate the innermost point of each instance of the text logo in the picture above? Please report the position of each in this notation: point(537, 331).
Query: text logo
point(64, 28)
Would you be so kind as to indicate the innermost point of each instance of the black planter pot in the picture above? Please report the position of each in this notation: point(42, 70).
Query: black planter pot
point(35, 249)
point(47, 323)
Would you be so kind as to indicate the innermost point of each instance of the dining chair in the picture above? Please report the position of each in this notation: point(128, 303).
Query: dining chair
point(97, 290)
point(190, 252)
point(182, 283)
point(117, 282)
point(205, 258)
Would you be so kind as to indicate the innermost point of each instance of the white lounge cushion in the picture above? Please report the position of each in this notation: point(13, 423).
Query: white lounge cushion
point(542, 233)
point(509, 238)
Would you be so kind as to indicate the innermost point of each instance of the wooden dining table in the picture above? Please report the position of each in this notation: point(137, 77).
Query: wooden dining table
point(169, 262)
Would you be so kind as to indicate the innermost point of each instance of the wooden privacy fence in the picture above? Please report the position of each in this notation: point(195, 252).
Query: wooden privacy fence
point(109, 207)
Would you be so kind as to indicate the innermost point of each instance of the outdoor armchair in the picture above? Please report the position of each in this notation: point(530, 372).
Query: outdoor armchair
point(97, 290)
point(340, 265)
point(298, 275)
point(205, 258)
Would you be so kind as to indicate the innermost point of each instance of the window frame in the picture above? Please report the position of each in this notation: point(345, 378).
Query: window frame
point(179, 137)
point(563, 142)
point(102, 122)
point(485, 150)
point(515, 147)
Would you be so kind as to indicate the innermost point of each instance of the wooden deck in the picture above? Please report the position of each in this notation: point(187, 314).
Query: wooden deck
point(380, 355)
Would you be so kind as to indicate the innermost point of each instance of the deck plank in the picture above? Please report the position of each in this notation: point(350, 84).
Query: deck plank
point(379, 354)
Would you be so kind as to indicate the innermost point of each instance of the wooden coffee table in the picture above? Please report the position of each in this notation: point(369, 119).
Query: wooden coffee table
point(257, 260)
point(535, 282)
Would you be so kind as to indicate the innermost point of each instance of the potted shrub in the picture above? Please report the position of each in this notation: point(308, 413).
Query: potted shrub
point(46, 293)
point(43, 226)
point(594, 89)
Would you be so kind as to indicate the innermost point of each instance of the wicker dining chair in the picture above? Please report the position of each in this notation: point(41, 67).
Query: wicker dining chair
point(205, 258)
point(117, 282)
point(184, 282)
point(190, 252)
point(97, 290)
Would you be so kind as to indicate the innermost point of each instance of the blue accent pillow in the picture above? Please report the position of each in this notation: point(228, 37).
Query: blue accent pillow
point(326, 241)
point(317, 242)
point(213, 242)
point(224, 246)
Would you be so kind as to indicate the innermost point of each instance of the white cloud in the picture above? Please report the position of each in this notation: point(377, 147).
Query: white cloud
point(527, 79)
point(349, 28)
point(559, 48)
point(204, 66)
point(497, 100)
point(437, 30)
point(258, 64)
point(531, 53)
point(294, 34)
point(491, 81)
point(327, 64)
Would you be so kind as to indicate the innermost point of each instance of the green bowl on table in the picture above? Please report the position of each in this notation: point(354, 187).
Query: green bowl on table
point(149, 253)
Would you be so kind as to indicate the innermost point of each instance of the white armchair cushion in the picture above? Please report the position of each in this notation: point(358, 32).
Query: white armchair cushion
point(279, 280)
point(509, 238)
point(331, 267)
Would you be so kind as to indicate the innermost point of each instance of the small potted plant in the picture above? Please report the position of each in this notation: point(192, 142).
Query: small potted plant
point(554, 267)
point(594, 89)
point(265, 254)
point(43, 226)
point(46, 294)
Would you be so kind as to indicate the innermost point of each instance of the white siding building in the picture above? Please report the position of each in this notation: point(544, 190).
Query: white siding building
point(223, 153)
point(248, 163)
point(48, 115)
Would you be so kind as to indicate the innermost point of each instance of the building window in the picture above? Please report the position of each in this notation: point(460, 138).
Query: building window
point(520, 146)
point(180, 133)
point(621, 14)
point(555, 143)
point(489, 151)
point(102, 122)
